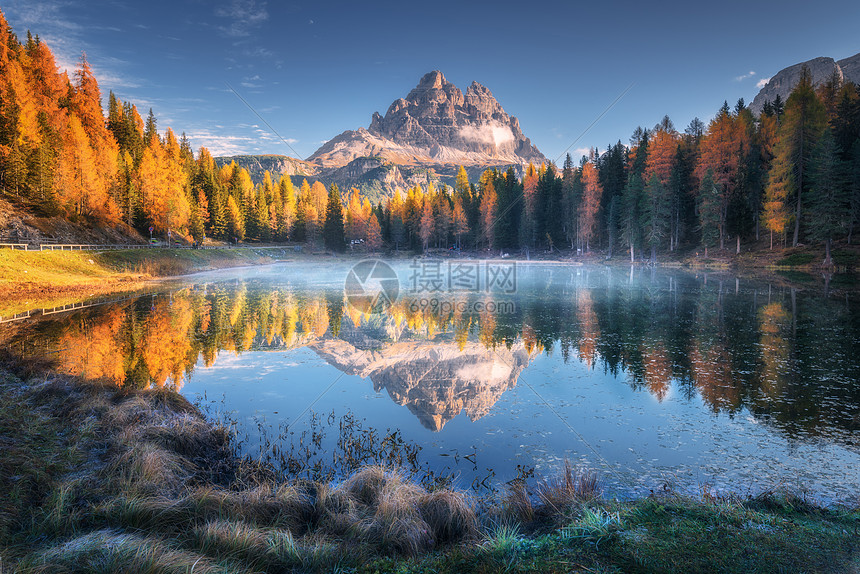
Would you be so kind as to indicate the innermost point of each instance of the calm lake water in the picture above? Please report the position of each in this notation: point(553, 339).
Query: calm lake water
point(702, 381)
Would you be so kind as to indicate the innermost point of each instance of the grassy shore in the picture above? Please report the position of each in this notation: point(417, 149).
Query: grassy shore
point(100, 479)
point(51, 278)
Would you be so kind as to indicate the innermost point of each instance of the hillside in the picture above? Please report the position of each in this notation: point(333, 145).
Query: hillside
point(24, 223)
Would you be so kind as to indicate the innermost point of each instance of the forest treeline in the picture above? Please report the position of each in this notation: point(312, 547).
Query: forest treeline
point(791, 175)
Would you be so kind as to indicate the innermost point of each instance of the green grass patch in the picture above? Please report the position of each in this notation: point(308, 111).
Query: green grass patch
point(845, 258)
point(796, 259)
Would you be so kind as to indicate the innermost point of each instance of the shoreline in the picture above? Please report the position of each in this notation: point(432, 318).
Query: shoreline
point(33, 279)
point(142, 479)
point(30, 280)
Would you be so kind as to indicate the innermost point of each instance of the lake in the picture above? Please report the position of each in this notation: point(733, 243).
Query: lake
point(491, 370)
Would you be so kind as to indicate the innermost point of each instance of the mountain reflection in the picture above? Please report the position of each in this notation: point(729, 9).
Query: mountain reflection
point(784, 355)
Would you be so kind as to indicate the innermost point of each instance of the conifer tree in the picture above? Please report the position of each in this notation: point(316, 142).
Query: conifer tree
point(235, 228)
point(710, 205)
point(828, 200)
point(333, 230)
point(588, 209)
point(655, 213)
point(801, 127)
point(459, 221)
point(427, 223)
point(489, 201)
point(632, 196)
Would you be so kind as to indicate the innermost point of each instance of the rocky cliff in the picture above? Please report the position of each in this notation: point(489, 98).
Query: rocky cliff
point(821, 68)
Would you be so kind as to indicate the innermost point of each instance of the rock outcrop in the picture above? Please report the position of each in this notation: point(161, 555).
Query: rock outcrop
point(821, 69)
point(438, 128)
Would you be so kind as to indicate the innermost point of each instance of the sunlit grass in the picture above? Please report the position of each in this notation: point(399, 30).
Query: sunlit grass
point(33, 279)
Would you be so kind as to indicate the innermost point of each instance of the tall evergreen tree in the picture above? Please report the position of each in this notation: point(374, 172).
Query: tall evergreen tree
point(828, 201)
point(633, 191)
point(801, 127)
point(655, 214)
point(333, 235)
point(709, 210)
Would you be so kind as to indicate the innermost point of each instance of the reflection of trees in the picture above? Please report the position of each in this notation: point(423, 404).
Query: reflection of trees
point(588, 327)
point(775, 324)
point(167, 342)
point(789, 358)
point(710, 359)
point(93, 349)
point(157, 340)
point(657, 370)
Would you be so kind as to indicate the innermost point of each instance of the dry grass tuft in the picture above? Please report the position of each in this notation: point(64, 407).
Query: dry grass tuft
point(518, 503)
point(366, 485)
point(233, 540)
point(559, 494)
point(146, 467)
point(450, 515)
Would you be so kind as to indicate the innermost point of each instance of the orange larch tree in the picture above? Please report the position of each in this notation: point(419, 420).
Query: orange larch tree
point(721, 151)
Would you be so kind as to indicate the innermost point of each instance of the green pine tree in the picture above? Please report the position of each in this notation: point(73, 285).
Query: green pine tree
point(709, 210)
point(802, 125)
point(827, 198)
point(656, 210)
point(333, 235)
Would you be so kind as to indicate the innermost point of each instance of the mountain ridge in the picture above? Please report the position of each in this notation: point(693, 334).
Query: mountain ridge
point(821, 68)
point(436, 124)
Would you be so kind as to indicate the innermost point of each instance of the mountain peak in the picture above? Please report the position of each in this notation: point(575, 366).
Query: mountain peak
point(434, 79)
point(476, 88)
point(436, 125)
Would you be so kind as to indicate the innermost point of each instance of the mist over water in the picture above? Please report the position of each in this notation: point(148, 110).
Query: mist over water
point(646, 376)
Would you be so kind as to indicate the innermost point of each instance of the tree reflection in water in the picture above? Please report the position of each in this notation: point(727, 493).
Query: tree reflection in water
point(787, 356)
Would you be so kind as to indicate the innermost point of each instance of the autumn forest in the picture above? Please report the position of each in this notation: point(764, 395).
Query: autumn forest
point(790, 175)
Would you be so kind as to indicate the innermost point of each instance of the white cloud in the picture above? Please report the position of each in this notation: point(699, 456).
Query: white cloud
point(244, 15)
point(220, 143)
point(491, 133)
point(762, 83)
point(746, 76)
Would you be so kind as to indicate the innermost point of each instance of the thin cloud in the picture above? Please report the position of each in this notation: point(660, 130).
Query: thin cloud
point(220, 144)
point(67, 40)
point(244, 16)
point(762, 83)
point(746, 76)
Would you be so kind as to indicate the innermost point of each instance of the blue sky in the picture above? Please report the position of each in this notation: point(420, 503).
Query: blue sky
point(314, 69)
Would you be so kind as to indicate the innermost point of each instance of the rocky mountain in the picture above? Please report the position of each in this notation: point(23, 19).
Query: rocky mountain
point(821, 68)
point(436, 126)
point(423, 137)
